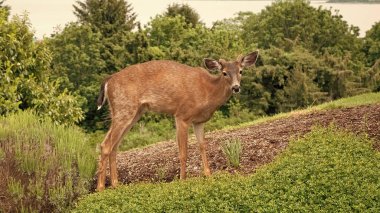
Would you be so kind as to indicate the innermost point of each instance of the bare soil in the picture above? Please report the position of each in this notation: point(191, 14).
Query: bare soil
point(261, 144)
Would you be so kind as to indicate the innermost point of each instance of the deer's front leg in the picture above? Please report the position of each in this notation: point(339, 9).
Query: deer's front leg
point(182, 135)
point(199, 134)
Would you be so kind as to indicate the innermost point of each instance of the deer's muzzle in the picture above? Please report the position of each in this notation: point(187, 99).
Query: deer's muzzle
point(236, 89)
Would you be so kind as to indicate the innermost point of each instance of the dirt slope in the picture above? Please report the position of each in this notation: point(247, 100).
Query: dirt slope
point(261, 143)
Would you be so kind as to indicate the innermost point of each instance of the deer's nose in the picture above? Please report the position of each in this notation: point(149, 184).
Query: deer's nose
point(236, 88)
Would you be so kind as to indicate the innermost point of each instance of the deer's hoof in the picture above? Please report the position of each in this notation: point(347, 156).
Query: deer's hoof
point(100, 188)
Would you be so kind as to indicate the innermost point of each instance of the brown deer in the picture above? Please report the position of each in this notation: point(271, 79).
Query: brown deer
point(190, 94)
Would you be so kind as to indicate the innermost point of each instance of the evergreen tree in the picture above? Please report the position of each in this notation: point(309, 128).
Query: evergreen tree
point(114, 20)
point(107, 16)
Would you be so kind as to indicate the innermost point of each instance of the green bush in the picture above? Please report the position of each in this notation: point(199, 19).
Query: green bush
point(326, 171)
point(45, 167)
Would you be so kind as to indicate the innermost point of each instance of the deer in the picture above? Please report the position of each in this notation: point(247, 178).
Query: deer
point(190, 94)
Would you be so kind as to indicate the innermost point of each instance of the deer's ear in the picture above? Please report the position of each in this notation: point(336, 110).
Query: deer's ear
point(212, 64)
point(249, 59)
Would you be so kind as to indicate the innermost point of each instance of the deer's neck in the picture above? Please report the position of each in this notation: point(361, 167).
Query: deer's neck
point(220, 91)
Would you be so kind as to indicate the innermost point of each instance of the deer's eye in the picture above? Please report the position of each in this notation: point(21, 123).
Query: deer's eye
point(225, 74)
point(241, 72)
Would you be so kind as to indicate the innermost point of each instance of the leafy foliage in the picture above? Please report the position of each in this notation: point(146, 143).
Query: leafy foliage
point(25, 75)
point(328, 170)
point(78, 60)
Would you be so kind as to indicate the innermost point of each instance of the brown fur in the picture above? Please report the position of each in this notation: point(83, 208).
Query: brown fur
point(190, 94)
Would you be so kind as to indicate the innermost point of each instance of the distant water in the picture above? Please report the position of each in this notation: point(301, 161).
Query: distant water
point(357, 14)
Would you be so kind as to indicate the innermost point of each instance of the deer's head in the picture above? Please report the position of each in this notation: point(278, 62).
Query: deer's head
point(232, 70)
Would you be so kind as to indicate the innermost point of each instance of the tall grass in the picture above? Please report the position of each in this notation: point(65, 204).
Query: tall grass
point(232, 149)
point(44, 166)
point(326, 171)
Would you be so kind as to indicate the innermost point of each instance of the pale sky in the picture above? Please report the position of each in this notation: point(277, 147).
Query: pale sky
point(46, 15)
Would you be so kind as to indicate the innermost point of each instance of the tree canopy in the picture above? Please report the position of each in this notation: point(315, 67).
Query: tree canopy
point(192, 18)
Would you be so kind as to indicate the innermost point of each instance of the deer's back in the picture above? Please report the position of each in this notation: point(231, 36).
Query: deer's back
point(161, 86)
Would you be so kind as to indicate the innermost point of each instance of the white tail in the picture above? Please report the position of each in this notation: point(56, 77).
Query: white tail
point(190, 94)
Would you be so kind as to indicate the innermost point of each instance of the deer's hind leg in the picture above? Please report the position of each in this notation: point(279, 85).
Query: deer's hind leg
point(199, 134)
point(121, 123)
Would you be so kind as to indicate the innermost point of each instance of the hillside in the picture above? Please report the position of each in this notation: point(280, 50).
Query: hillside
point(261, 144)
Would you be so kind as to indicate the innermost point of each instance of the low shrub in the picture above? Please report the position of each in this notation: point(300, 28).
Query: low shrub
point(232, 150)
point(44, 167)
point(326, 171)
